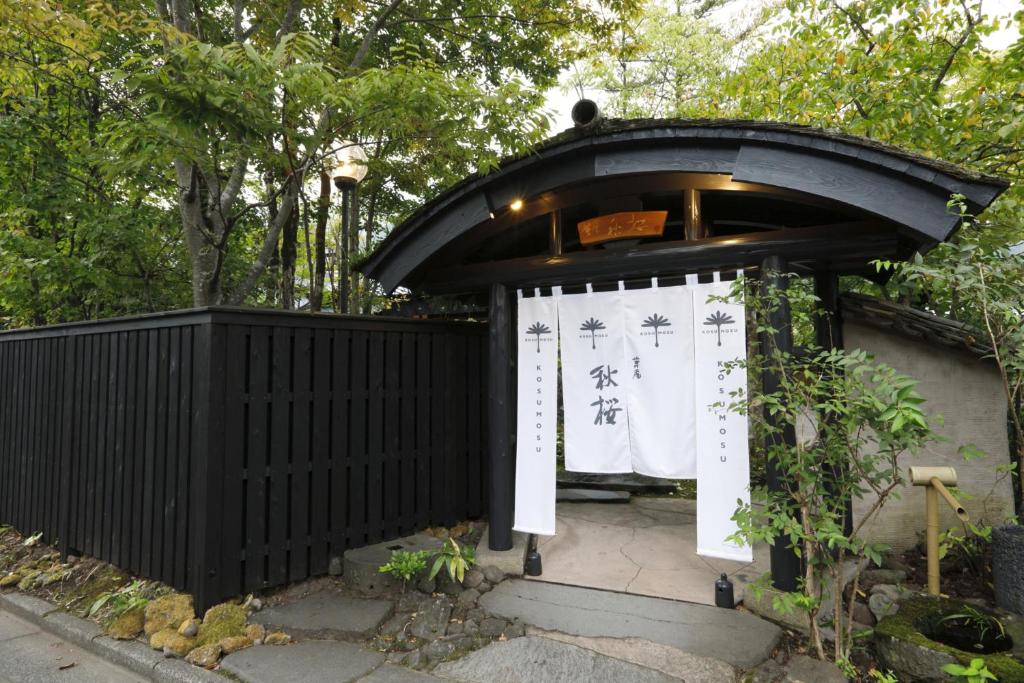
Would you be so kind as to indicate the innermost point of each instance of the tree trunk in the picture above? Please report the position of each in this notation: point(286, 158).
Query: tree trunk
point(289, 240)
point(316, 292)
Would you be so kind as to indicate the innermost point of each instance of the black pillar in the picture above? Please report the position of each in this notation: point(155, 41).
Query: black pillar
point(828, 332)
point(500, 404)
point(785, 563)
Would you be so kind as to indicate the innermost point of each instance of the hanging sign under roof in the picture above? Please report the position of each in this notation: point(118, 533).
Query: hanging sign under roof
point(620, 226)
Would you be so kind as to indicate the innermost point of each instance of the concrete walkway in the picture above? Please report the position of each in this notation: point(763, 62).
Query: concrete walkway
point(739, 638)
point(648, 547)
point(28, 654)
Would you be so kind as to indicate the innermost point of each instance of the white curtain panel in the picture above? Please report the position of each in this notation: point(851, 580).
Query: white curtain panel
point(537, 414)
point(659, 363)
point(723, 459)
point(594, 379)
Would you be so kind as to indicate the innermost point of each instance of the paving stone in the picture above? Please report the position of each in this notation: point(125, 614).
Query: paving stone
point(312, 660)
point(397, 674)
point(361, 564)
point(327, 615)
point(432, 620)
point(180, 671)
point(540, 660)
point(738, 638)
point(492, 627)
point(130, 654)
point(682, 665)
point(592, 496)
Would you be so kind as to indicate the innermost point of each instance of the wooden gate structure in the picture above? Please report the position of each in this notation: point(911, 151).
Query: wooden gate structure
point(765, 197)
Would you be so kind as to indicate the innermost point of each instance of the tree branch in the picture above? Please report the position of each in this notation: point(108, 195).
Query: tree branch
point(234, 184)
point(371, 35)
point(291, 13)
point(269, 244)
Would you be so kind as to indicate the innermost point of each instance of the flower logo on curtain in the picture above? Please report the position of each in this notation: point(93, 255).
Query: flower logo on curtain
point(592, 325)
point(537, 329)
point(656, 322)
point(718, 319)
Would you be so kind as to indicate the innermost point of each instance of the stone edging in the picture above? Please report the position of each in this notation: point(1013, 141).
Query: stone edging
point(131, 654)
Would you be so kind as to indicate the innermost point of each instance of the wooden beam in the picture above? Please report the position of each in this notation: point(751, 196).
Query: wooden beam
point(555, 233)
point(849, 245)
point(500, 404)
point(785, 564)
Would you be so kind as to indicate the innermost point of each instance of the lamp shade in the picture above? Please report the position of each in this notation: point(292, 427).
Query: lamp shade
point(349, 165)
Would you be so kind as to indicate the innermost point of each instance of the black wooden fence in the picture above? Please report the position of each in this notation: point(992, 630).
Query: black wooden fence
point(227, 450)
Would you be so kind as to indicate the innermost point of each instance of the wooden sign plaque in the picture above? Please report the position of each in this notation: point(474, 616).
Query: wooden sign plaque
point(620, 226)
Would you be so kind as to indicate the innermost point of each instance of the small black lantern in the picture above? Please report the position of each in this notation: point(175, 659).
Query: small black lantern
point(723, 593)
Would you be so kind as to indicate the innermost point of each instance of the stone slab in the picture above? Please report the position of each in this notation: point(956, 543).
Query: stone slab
point(592, 496)
point(312, 660)
point(130, 654)
point(509, 561)
point(361, 564)
point(389, 673)
point(741, 639)
point(327, 615)
point(632, 482)
point(180, 671)
point(804, 669)
point(682, 665)
point(541, 660)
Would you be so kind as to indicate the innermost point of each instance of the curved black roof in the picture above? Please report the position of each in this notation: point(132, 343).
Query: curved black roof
point(902, 187)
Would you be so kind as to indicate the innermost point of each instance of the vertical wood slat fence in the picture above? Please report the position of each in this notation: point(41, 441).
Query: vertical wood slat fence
point(228, 450)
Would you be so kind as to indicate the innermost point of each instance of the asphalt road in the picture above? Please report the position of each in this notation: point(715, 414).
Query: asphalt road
point(28, 654)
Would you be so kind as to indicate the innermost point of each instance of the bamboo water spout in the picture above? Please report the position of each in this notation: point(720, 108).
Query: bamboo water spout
point(935, 480)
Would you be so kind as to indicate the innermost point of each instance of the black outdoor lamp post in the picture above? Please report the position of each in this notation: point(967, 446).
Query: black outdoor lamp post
point(349, 169)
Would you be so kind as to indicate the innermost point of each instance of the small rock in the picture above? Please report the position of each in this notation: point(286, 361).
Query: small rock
point(469, 597)
point(470, 627)
point(804, 669)
point(438, 650)
point(484, 586)
point(862, 614)
point(890, 591)
point(447, 585)
point(426, 585)
point(205, 656)
point(768, 671)
point(28, 579)
point(168, 652)
point(53, 576)
point(432, 619)
point(10, 579)
point(73, 560)
point(515, 630)
point(892, 560)
point(474, 577)
point(476, 614)
point(492, 627)
point(256, 633)
point(414, 659)
point(169, 640)
point(234, 644)
point(394, 625)
point(189, 628)
point(277, 638)
point(493, 574)
point(408, 602)
point(336, 566)
point(871, 577)
point(456, 628)
point(128, 625)
point(255, 605)
point(168, 612)
point(881, 605)
point(221, 621)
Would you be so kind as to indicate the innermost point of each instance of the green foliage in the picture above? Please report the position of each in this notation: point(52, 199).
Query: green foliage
point(883, 677)
point(119, 601)
point(855, 420)
point(975, 672)
point(405, 565)
point(455, 558)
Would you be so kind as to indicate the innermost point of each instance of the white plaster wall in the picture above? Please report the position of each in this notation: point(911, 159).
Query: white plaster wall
point(966, 392)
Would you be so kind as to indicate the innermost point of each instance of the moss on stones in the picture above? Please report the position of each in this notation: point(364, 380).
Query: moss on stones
point(170, 639)
point(916, 612)
point(225, 620)
point(168, 612)
point(128, 625)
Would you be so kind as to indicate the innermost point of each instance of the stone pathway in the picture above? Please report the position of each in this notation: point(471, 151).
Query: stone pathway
point(327, 615)
point(738, 638)
point(317, 660)
point(646, 547)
